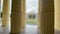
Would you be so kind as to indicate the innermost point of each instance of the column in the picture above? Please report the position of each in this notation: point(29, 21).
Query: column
point(47, 16)
point(57, 15)
point(6, 13)
point(23, 13)
point(16, 16)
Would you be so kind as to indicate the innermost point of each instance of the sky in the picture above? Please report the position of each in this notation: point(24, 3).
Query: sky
point(1, 5)
point(31, 5)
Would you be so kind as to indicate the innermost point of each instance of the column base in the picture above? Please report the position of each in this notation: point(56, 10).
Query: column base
point(14, 33)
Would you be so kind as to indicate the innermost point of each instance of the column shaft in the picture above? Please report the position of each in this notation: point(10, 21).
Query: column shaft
point(47, 16)
point(57, 14)
point(6, 12)
point(16, 16)
point(23, 13)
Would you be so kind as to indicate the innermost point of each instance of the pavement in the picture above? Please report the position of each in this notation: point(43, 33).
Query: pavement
point(29, 29)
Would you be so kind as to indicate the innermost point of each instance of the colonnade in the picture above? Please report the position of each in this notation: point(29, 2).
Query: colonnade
point(46, 15)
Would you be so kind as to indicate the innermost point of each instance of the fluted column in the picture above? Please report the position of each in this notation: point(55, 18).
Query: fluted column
point(16, 16)
point(47, 16)
point(6, 12)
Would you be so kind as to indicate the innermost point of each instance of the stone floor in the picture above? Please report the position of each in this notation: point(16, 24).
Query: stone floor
point(30, 29)
point(57, 31)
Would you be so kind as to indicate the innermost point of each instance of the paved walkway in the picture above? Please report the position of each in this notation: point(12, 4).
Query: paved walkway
point(31, 29)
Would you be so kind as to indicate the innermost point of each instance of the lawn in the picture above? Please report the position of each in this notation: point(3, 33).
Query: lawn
point(31, 22)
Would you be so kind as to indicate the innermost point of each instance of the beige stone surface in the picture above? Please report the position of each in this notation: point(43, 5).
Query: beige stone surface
point(6, 12)
point(16, 16)
point(47, 17)
point(57, 14)
point(23, 13)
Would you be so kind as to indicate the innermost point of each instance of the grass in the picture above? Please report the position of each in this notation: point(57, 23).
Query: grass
point(32, 22)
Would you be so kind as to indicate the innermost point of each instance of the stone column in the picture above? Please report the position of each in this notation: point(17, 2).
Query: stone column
point(47, 16)
point(6, 12)
point(57, 14)
point(23, 13)
point(16, 16)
